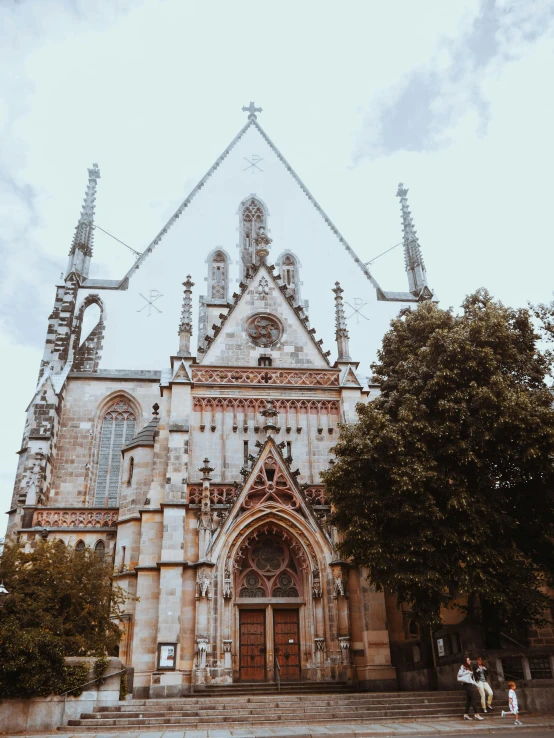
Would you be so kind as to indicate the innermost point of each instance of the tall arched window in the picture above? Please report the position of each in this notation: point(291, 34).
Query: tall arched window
point(218, 277)
point(80, 546)
point(100, 549)
point(288, 269)
point(252, 217)
point(118, 428)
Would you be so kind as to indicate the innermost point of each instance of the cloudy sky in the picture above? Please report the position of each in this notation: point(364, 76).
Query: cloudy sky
point(452, 98)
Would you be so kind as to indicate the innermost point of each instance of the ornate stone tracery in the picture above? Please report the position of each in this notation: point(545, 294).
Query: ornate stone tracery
point(253, 227)
point(264, 330)
point(118, 428)
point(217, 279)
point(269, 569)
point(293, 535)
point(86, 518)
point(283, 377)
point(270, 485)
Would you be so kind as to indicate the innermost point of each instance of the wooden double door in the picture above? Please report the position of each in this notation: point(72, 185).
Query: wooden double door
point(253, 644)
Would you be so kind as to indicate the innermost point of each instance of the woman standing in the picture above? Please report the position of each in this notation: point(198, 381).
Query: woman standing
point(465, 676)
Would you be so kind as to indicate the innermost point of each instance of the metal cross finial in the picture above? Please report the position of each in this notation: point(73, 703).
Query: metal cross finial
point(251, 110)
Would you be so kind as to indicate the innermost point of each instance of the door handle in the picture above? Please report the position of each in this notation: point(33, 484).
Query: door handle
point(262, 649)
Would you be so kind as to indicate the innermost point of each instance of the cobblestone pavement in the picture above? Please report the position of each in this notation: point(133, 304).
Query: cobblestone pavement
point(541, 726)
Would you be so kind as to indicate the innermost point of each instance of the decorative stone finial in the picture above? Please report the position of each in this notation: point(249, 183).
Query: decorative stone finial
point(270, 413)
point(413, 259)
point(251, 110)
point(81, 247)
point(341, 331)
point(185, 326)
point(155, 409)
point(206, 470)
point(261, 242)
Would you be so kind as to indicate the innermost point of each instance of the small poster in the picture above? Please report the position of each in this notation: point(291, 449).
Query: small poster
point(440, 646)
point(166, 655)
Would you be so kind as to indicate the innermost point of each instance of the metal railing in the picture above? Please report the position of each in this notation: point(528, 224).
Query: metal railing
point(278, 673)
point(98, 679)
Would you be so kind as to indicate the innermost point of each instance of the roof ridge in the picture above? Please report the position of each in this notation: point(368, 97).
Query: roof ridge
point(250, 123)
point(317, 206)
point(237, 297)
point(186, 202)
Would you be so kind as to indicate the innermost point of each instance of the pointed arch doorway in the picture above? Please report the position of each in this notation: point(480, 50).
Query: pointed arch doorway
point(270, 585)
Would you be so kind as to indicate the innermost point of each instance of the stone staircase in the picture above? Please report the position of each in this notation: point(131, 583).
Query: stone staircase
point(231, 707)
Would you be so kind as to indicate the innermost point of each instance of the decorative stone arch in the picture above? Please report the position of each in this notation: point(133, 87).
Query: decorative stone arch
point(86, 356)
point(288, 266)
point(302, 579)
point(218, 262)
point(253, 215)
point(318, 550)
point(110, 423)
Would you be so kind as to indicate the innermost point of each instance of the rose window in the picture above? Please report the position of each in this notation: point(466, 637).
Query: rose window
point(264, 330)
point(269, 569)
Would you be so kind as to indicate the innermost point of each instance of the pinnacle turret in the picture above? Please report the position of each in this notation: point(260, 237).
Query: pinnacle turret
point(185, 326)
point(413, 259)
point(81, 248)
point(341, 331)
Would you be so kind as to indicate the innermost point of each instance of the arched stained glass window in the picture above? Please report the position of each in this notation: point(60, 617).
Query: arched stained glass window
point(80, 546)
point(118, 428)
point(218, 276)
point(287, 264)
point(100, 549)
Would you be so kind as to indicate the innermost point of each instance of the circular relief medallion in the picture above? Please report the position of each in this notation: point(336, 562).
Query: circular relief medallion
point(264, 330)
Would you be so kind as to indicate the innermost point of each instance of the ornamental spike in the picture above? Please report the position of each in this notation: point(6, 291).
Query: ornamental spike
point(81, 247)
point(341, 331)
point(185, 326)
point(413, 259)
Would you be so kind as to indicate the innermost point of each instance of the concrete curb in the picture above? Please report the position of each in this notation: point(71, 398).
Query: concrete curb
point(343, 730)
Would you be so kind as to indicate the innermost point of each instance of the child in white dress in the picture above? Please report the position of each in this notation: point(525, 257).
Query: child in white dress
point(512, 701)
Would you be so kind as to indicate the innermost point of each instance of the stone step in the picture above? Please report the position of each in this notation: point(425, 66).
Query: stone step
point(186, 698)
point(262, 710)
point(253, 708)
point(281, 705)
point(218, 713)
point(258, 719)
point(264, 701)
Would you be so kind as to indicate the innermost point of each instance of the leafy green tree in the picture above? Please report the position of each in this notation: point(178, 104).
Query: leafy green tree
point(445, 484)
point(61, 602)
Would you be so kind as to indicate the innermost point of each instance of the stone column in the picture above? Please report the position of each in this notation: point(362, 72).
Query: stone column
point(204, 580)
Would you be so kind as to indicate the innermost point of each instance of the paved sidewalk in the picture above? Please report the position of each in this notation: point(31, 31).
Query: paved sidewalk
point(447, 726)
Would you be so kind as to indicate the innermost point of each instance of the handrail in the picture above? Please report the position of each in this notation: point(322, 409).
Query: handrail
point(278, 673)
point(513, 640)
point(103, 677)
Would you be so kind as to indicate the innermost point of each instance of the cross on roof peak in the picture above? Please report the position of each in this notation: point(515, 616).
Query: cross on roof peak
point(251, 110)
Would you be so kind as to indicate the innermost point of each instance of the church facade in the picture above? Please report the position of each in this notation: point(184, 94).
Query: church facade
point(197, 469)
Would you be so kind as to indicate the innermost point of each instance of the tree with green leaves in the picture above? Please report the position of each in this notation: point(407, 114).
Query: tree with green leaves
point(61, 602)
point(445, 484)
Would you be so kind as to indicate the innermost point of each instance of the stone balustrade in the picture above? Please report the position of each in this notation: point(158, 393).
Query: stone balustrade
point(75, 518)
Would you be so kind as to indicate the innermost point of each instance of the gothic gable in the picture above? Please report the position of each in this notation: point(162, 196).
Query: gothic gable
point(263, 325)
point(270, 486)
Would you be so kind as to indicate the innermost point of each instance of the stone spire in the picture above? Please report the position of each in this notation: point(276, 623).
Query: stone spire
point(341, 331)
point(415, 268)
point(81, 248)
point(185, 326)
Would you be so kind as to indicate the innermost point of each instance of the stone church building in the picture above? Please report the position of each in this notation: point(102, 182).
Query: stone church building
point(195, 466)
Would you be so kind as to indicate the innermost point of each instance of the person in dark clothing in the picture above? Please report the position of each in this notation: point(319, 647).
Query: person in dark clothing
point(465, 676)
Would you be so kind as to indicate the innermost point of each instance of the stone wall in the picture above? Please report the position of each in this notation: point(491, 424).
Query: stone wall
point(48, 713)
